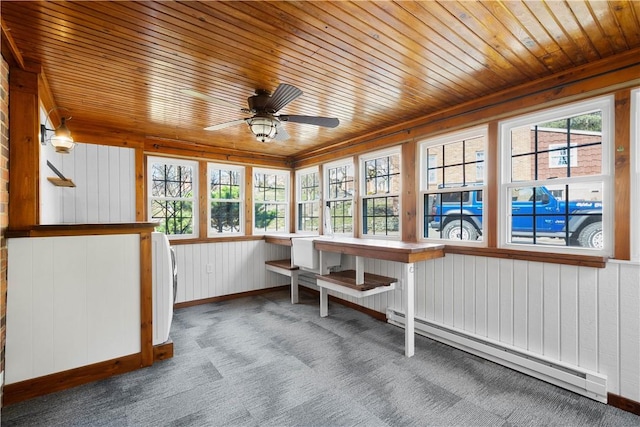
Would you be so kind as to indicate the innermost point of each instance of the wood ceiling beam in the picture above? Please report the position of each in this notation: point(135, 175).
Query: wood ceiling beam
point(10, 51)
point(47, 100)
point(178, 148)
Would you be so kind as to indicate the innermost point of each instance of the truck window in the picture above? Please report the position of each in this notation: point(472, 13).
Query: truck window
point(455, 197)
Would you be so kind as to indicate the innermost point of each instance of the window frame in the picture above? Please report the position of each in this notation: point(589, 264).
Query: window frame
point(604, 104)
point(635, 173)
point(327, 199)
point(363, 196)
point(423, 173)
point(286, 203)
point(299, 202)
point(195, 190)
point(241, 199)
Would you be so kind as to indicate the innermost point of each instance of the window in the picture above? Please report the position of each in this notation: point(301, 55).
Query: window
point(226, 199)
point(381, 194)
point(432, 164)
point(560, 157)
point(339, 194)
point(480, 166)
point(270, 201)
point(555, 181)
point(451, 185)
point(173, 196)
point(308, 198)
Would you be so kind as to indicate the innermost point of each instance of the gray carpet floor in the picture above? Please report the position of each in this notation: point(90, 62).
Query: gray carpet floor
point(261, 361)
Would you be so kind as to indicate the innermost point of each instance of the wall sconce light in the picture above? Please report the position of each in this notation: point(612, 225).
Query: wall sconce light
point(61, 139)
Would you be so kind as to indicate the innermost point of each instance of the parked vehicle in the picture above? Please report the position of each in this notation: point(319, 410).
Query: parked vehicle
point(458, 216)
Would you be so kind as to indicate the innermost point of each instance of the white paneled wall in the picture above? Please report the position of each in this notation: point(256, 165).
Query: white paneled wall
point(67, 305)
point(586, 317)
point(213, 269)
point(105, 185)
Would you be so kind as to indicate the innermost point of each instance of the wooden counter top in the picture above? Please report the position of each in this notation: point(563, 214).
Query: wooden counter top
point(390, 250)
point(81, 229)
point(284, 239)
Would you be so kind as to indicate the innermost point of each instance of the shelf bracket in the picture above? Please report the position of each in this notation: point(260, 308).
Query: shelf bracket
point(61, 180)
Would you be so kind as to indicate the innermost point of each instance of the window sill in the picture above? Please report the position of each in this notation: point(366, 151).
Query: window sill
point(553, 258)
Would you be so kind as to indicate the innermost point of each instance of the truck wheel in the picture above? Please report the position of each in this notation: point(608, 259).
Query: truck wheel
point(591, 236)
point(460, 230)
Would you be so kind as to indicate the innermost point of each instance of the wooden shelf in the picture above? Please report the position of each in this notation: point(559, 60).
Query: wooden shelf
point(388, 250)
point(286, 268)
point(59, 182)
point(279, 265)
point(345, 282)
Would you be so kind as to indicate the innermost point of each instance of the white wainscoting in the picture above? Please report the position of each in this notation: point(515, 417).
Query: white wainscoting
point(105, 185)
point(581, 316)
point(214, 269)
point(72, 301)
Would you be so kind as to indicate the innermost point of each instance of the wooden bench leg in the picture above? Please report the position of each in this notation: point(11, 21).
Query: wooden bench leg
point(294, 287)
point(324, 302)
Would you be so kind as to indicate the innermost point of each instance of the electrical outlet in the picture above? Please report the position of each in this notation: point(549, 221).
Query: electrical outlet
point(209, 268)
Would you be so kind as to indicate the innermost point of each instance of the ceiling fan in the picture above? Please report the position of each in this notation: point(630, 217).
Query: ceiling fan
point(266, 124)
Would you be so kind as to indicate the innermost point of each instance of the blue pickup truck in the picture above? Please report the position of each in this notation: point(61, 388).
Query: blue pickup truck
point(458, 216)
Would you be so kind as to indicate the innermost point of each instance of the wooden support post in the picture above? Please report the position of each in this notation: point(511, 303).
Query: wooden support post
point(146, 301)
point(324, 302)
point(622, 175)
point(359, 270)
point(295, 298)
point(24, 149)
point(409, 309)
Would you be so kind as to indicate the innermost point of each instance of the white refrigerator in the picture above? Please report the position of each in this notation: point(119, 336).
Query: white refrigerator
point(164, 278)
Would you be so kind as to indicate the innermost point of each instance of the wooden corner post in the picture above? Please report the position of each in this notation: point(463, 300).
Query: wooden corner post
point(24, 148)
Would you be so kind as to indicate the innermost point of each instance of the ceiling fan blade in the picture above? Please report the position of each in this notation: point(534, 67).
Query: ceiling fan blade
point(225, 125)
point(328, 122)
point(282, 134)
point(208, 98)
point(283, 95)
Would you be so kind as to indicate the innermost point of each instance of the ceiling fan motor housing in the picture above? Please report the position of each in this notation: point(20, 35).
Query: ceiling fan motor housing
point(258, 102)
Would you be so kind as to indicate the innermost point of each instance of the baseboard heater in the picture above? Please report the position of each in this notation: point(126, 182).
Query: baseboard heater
point(578, 380)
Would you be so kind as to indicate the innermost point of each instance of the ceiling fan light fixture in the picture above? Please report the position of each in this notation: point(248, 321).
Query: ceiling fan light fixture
point(263, 128)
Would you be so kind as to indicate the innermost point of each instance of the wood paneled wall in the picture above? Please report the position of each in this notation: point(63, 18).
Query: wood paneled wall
point(635, 174)
point(584, 316)
point(4, 206)
point(105, 192)
point(68, 306)
point(209, 270)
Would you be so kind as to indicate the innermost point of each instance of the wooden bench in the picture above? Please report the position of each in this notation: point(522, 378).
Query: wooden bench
point(286, 268)
point(359, 283)
point(390, 250)
point(346, 282)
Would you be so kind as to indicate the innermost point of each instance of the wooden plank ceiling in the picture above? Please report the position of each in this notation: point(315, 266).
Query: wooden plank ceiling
point(122, 66)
